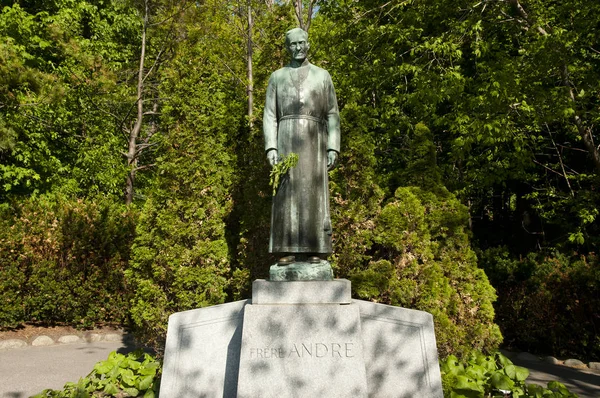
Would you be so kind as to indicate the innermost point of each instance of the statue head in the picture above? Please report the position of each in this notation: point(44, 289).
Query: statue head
point(296, 42)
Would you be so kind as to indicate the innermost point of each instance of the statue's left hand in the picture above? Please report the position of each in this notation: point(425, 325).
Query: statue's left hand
point(331, 159)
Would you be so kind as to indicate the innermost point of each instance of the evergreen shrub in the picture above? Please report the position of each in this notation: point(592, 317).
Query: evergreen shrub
point(547, 303)
point(177, 265)
point(181, 256)
point(62, 261)
point(416, 254)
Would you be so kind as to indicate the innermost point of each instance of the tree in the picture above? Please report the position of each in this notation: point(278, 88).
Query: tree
point(181, 258)
point(146, 104)
point(62, 64)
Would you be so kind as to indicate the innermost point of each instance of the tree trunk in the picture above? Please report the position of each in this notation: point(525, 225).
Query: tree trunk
point(134, 132)
point(299, 8)
point(250, 77)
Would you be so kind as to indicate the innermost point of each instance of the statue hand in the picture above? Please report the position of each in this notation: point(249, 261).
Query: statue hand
point(331, 159)
point(273, 157)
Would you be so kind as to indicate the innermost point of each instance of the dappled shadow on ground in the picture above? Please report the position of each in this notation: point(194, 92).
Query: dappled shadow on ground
point(584, 383)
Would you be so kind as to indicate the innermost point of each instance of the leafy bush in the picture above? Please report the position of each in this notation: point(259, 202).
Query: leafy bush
point(416, 254)
point(181, 256)
point(133, 375)
point(492, 376)
point(62, 261)
point(547, 304)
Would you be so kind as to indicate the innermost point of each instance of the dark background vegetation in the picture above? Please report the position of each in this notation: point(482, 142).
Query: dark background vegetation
point(133, 182)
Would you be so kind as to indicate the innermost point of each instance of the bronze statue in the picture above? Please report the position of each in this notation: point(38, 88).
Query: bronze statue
point(301, 116)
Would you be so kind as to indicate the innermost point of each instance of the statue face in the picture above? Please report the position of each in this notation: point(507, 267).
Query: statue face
point(297, 46)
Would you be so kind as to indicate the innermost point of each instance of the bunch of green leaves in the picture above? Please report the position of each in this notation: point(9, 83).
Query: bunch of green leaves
point(62, 261)
point(281, 168)
point(62, 96)
point(533, 293)
point(492, 376)
point(181, 255)
point(133, 375)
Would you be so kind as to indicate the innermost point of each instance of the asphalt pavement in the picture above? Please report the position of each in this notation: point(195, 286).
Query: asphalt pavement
point(30, 370)
point(583, 382)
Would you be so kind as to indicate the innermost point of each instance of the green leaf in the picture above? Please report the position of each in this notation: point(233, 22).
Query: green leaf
point(511, 371)
point(134, 392)
point(146, 382)
point(535, 390)
point(521, 373)
point(504, 361)
point(128, 377)
point(111, 389)
point(149, 394)
point(103, 367)
point(501, 381)
point(559, 387)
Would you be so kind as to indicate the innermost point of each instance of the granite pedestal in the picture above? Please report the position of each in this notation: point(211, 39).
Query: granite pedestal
point(301, 339)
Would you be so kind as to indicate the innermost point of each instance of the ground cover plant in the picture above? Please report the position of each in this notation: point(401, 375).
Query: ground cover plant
point(479, 376)
point(136, 374)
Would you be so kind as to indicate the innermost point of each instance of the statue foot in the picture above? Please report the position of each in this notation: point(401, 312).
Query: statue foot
point(287, 260)
point(314, 259)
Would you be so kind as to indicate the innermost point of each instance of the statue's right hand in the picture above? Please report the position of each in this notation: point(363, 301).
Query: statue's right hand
point(273, 157)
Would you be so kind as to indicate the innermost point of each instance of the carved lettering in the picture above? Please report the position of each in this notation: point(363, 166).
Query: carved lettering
point(348, 350)
point(306, 350)
point(295, 349)
point(321, 350)
point(335, 349)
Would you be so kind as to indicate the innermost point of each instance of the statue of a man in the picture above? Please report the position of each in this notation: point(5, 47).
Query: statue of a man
point(301, 116)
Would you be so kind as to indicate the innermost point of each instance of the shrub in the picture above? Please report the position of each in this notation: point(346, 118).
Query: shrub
point(547, 303)
point(416, 254)
point(492, 376)
point(133, 375)
point(62, 261)
point(181, 256)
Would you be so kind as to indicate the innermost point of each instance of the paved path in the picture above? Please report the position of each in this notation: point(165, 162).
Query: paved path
point(585, 383)
point(30, 370)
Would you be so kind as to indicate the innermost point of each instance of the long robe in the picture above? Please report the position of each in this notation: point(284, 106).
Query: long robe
point(301, 116)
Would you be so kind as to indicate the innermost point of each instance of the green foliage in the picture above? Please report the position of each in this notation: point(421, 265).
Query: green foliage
point(62, 261)
point(547, 303)
point(60, 96)
point(419, 257)
point(480, 376)
point(506, 99)
point(281, 168)
point(181, 256)
point(133, 375)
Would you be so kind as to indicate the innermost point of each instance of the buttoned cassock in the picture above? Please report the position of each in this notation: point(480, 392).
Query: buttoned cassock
point(301, 116)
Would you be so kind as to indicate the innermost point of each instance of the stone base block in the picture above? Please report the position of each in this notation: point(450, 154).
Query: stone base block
point(301, 271)
point(312, 350)
point(400, 352)
point(202, 354)
point(337, 291)
point(301, 347)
